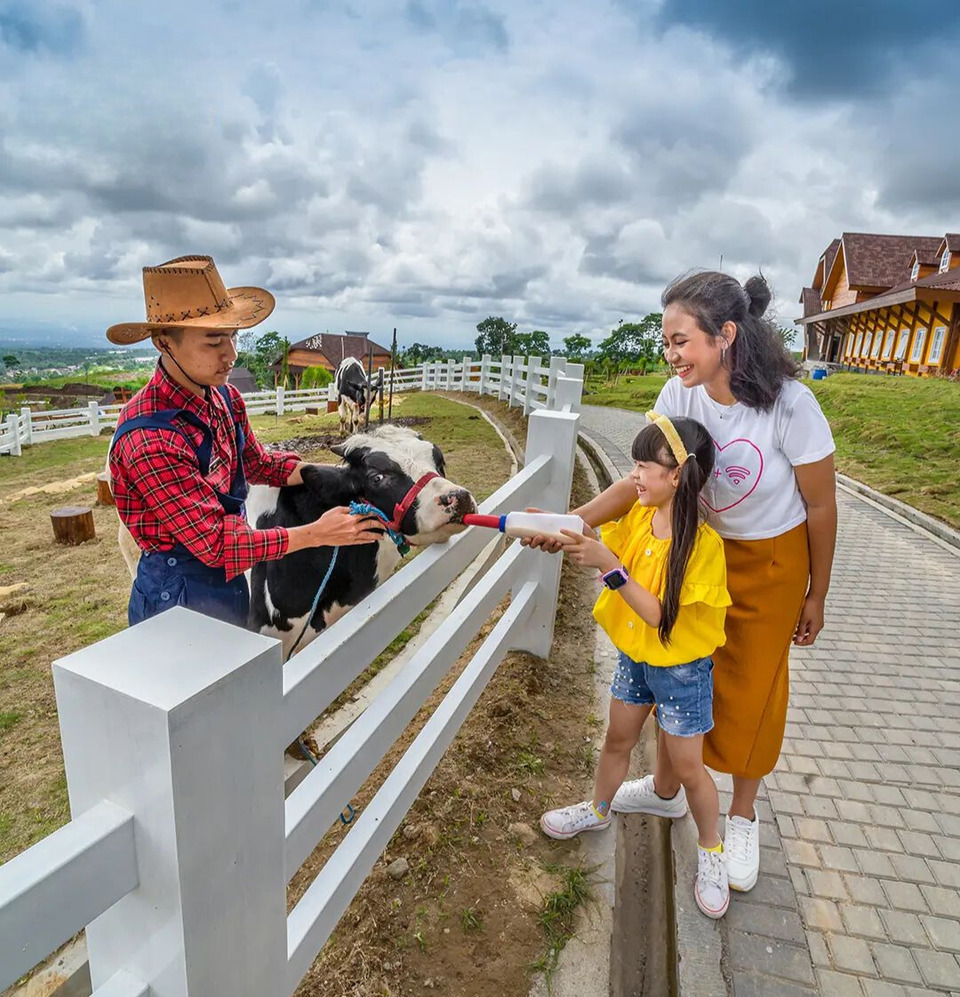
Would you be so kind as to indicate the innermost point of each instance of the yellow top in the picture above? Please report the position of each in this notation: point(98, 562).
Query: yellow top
point(698, 631)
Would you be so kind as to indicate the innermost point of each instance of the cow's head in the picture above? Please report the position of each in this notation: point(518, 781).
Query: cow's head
point(387, 465)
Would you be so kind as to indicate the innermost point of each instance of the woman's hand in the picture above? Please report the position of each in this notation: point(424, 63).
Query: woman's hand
point(550, 544)
point(589, 552)
point(811, 622)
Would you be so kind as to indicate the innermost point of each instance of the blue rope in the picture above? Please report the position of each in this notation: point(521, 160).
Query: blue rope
point(316, 599)
point(366, 509)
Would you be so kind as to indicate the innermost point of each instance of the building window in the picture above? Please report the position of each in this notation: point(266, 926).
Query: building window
point(945, 261)
point(936, 347)
point(902, 344)
point(856, 351)
point(915, 272)
point(916, 354)
point(888, 344)
point(877, 340)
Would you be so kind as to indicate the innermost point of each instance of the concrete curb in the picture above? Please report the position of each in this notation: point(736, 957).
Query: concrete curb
point(906, 513)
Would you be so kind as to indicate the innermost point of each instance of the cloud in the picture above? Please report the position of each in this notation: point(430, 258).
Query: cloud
point(430, 164)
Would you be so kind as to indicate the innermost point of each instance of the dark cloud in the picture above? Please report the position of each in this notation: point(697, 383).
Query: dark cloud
point(466, 27)
point(832, 48)
point(41, 28)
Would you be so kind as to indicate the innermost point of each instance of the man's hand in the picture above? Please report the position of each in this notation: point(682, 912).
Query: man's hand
point(337, 527)
point(549, 544)
point(588, 552)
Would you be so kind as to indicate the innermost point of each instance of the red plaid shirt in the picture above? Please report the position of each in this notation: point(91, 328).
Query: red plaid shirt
point(161, 496)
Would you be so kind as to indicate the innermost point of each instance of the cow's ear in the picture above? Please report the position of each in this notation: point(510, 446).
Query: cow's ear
point(438, 460)
point(338, 449)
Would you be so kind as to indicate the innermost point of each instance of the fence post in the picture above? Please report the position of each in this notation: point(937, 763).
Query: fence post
point(569, 388)
point(466, 370)
point(533, 379)
point(178, 721)
point(515, 374)
point(557, 365)
point(423, 375)
point(13, 427)
point(26, 422)
point(484, 372)
point(281, 392)
point(503, 393)
point(93, 408)
point(553, 434)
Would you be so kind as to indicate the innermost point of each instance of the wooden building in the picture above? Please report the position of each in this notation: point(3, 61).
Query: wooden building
point(328, 350)
point(885, 303)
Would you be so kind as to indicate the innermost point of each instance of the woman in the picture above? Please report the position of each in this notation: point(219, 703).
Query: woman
point(772, 497)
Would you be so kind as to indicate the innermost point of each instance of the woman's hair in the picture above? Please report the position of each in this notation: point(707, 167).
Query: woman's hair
point(651, 446)
point(758, 360)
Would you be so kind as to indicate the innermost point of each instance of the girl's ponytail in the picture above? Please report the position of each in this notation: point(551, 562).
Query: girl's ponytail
point(685, 518)
point(652, 445)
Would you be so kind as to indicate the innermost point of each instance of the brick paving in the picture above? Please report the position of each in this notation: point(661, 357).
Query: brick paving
point(859, 891)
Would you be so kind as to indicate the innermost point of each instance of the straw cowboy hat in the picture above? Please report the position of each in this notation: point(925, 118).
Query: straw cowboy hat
point(188, 293)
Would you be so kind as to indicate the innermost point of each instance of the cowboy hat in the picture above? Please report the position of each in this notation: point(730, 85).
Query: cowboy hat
point(188, 293)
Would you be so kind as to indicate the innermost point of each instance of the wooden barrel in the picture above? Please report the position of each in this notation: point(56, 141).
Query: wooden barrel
point(104, 495)
point(72, 524)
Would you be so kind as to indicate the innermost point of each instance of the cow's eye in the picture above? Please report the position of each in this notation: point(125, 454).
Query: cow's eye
point(378, 478)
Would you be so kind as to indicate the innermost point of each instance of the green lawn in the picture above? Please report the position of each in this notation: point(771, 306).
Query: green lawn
point(899, 435)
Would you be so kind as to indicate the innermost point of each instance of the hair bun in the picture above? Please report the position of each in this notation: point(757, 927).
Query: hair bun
point(758, 291)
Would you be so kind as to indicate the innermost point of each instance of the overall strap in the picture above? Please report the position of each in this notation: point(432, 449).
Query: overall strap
point(164, 419)
point(238, 486)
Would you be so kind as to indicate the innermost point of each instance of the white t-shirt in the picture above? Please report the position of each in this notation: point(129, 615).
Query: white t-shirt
point(752, 493)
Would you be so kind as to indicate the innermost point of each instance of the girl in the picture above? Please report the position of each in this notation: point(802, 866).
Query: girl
point(663, 607)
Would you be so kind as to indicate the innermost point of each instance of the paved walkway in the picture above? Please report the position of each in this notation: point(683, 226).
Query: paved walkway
point(859, 894)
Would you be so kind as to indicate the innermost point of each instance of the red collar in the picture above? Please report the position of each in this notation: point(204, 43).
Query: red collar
point(403, 506)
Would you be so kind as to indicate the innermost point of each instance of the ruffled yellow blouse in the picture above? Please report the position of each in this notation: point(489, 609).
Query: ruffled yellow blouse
point(698, 631)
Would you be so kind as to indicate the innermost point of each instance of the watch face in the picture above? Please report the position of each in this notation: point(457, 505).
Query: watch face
point(615, 579)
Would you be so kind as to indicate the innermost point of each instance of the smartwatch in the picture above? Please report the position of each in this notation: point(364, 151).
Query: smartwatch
point(616, 578)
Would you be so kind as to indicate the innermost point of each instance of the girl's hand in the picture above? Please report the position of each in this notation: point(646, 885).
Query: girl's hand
point(589, 552)
point(811, 622)
point(549, 544)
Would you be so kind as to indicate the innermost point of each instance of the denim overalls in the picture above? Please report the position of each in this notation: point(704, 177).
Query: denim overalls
point(175, 577)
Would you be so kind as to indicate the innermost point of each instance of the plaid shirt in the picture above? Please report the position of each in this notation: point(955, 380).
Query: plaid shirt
point(161, 496)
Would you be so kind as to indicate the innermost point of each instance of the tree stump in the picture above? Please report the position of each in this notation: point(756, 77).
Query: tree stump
point(72, 524)
point(104, 495)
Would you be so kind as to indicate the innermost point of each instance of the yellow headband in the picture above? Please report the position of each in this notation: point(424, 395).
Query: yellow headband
point(673, 437)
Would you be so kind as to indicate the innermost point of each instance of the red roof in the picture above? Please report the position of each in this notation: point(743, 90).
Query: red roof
point(810, 298)
point(335, 347)
point(829, 255)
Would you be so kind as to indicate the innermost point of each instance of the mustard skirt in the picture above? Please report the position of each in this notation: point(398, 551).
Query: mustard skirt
point(768, 582)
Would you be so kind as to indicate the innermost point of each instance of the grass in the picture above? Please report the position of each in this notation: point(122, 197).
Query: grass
point(899, 435)
point(558, 915)
point(75, 596)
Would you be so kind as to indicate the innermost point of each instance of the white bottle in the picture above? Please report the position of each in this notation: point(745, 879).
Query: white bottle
point(529, 524)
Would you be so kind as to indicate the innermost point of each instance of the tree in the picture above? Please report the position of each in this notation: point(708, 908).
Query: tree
point(530, 344)
point(259, 353)
point(420, 353)
point(575, 346)
point(11, 361)
point(633, 342)
point(316, 377)
point(787, 335)
point(496, 336)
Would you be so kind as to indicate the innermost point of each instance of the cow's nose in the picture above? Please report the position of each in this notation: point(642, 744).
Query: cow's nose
point(459, 502)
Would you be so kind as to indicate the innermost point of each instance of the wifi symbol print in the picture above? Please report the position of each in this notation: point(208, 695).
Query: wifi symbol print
point(736, 474)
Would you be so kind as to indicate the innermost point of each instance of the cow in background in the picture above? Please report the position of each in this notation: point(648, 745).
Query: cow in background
point(353, 394)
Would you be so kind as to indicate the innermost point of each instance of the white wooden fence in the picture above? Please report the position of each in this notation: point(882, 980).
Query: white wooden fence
point(522, 381)
point(181, 844)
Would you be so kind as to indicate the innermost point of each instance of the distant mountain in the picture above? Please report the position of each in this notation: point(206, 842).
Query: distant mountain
point(48, 334)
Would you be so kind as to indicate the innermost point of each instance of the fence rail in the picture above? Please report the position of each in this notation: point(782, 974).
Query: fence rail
point(181, 844)
point(528, 382)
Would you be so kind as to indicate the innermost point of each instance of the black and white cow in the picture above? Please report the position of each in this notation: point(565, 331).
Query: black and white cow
point(393, 469)
point(352, 394)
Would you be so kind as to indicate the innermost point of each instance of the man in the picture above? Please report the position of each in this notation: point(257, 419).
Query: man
point(183, 453)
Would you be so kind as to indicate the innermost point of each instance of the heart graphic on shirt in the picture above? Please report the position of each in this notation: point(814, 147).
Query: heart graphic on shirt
point(737, 471)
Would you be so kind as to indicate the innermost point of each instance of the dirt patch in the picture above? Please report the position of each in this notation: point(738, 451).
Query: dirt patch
point(464, 920)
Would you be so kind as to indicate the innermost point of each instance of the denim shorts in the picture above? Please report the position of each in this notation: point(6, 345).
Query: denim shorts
point(682, 694)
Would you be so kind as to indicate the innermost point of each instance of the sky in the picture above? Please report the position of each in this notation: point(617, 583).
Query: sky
point(425, 164)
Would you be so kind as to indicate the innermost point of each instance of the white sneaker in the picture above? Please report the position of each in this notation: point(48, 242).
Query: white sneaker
point(741, 847)
point(711, 890)
point(568, 822)
point(639, 797)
